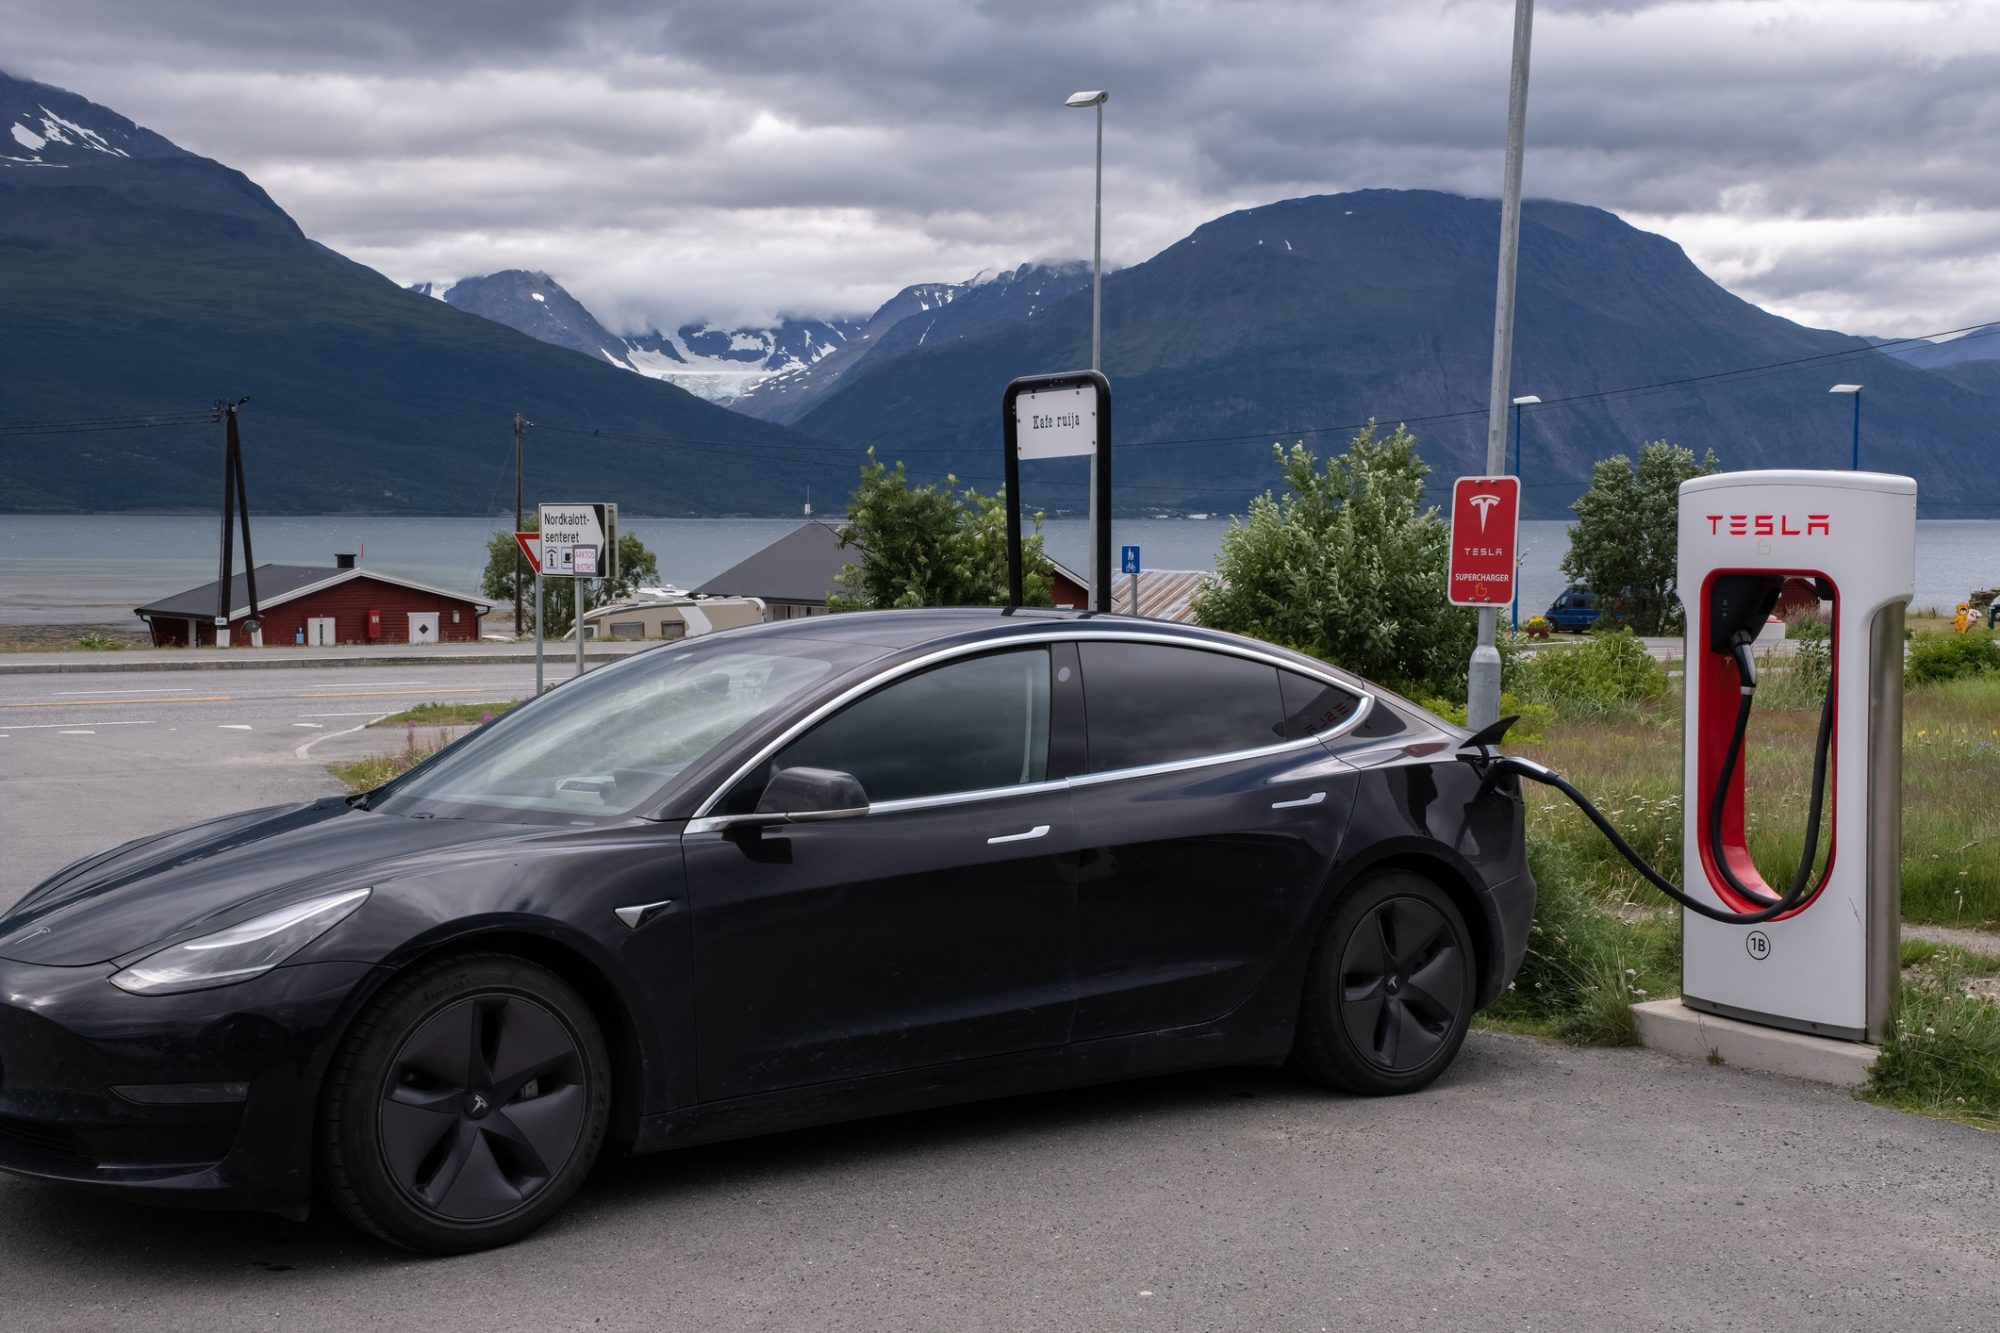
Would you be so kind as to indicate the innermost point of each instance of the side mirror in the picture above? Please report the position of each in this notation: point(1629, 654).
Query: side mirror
point(813, 793)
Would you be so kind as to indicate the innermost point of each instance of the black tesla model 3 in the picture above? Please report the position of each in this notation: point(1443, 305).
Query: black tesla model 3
point(807, 871)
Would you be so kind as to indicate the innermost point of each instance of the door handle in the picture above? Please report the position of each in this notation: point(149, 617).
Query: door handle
point(1038, 831)
point(1313, 799)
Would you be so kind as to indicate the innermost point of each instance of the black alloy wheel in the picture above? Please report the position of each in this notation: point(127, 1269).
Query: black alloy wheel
point(466, 1106)
point(1389, 992)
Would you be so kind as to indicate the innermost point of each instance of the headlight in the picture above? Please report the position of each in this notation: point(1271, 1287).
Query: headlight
point(242, 951)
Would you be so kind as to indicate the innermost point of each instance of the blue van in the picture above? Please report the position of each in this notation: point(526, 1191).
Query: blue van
point(1574, 611)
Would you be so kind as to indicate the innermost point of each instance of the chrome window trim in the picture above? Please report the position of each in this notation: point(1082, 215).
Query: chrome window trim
point(704, 822)
point(1199, 761)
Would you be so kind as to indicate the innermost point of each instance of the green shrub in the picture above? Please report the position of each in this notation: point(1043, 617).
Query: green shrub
point(99, 643)
point(1347, 563)
point(1591, 956)
point(1607, 673)
point(1935, 658)
point(1944, 1056)
point(1535, 719)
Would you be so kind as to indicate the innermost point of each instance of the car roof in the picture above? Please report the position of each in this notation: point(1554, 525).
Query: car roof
point(906, 632)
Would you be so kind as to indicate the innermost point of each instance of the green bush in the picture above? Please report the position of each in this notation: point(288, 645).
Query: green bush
point(98, 643)
point(1607, 673)
point(1935, 658)
point(1590, 956)
point(1944, 1056)
point(1535, 719)
point(1348, 565)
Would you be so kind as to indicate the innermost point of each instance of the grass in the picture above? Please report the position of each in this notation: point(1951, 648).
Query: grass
point(366, 774)
point(443, 714)
point(1944, 1057)
point(1603, 939)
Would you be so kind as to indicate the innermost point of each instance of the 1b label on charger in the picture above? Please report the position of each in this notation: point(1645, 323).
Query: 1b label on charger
point(1758, 944)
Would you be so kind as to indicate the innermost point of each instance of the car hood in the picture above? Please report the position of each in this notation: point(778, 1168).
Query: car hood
point(207, 875)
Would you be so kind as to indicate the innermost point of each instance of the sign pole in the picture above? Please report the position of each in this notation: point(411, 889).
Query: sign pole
point(1066, 415)
point(579, 623)
point(541, 624)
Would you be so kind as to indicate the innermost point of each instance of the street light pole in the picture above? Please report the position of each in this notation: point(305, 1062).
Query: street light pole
point(1514, 613)
point(1482, 687)
point(1855, 390)
point(1095, 98)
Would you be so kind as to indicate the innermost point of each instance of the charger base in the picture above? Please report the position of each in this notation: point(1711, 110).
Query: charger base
point(1674, 1029)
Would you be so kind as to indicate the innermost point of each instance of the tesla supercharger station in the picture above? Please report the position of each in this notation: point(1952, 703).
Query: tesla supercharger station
point(1830, 965)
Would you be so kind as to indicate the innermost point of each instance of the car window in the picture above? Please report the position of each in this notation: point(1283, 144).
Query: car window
point(965, 726)
point(607, 743)
point(1149, 703)
point(1312, 706)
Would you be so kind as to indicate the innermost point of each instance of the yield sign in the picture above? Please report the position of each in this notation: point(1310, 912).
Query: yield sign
point(531, 546)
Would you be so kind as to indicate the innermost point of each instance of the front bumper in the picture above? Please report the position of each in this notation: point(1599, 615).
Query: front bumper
point(205, 1098)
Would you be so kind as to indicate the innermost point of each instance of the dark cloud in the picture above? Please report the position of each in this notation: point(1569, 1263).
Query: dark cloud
point(683, 159)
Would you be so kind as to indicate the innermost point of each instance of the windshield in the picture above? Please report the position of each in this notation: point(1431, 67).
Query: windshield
point(609, 743)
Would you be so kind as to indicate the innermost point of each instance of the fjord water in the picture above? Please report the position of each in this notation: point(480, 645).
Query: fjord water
point(95, 568)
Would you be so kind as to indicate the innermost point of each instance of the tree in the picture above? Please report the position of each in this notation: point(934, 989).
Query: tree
point(1347, 567)
point(931, 546)
point(637, 566)
point(1626, 539)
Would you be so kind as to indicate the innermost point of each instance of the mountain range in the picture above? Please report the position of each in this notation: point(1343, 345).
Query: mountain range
point(713, 363)
point(142, 281)
point(142, 277)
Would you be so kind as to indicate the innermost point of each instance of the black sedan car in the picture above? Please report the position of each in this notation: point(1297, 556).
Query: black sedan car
point(801, 872)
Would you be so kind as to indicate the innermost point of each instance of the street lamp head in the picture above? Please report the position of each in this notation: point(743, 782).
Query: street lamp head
point(1098, 98)
point(1526, 398)
point(1845, 388)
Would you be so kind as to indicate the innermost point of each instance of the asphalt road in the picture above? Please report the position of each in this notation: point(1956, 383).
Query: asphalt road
point(1533, 1187)
point(91, 760)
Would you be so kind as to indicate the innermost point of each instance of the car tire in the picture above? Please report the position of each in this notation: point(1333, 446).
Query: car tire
point(1390, 988)
point(465, 1105)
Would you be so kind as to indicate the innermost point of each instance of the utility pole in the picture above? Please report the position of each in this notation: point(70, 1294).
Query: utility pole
point(1482, 693)
point(235, 496)
point(517, 526)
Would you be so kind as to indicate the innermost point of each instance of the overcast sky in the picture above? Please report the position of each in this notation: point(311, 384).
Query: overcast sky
point(1837, 161)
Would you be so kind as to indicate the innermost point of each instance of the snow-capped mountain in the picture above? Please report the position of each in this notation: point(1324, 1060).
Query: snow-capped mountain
point(928, 316)
point(50, 127)
point(537, 305)
point(714, 363)
point(723, 364)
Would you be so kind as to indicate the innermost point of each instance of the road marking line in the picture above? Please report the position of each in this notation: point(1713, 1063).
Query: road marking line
point(304, 749)
point(370, 694)
point(370, 713)
point(233, 726)
point(316, 726)
point(92, 703)
point(164, 689)
point(238, 698)
point(76, 733)
point(57, 726)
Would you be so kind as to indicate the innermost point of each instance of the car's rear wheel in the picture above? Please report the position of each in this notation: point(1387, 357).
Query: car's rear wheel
point(1389, 992)
point(466, 1105)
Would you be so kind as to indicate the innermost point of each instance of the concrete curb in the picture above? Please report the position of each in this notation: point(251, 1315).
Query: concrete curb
point(257, 660)
point(1674, 1029)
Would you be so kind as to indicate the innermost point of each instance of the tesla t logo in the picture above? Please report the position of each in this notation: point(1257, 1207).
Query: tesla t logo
point(1483, 501)
point(479, 1103)
point(1770, 525)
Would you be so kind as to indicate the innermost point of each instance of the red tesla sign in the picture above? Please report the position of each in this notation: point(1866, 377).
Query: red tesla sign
point(1485, 523)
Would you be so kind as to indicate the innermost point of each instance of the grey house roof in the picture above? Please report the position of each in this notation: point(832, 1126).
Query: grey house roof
point(800, 567)
point(281, 583)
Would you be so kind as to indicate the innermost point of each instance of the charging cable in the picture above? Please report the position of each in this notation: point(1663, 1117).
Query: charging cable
point(1746, 671)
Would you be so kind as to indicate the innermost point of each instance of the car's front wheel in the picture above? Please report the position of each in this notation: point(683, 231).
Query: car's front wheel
point(1389, 991)
point(465, 1105)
